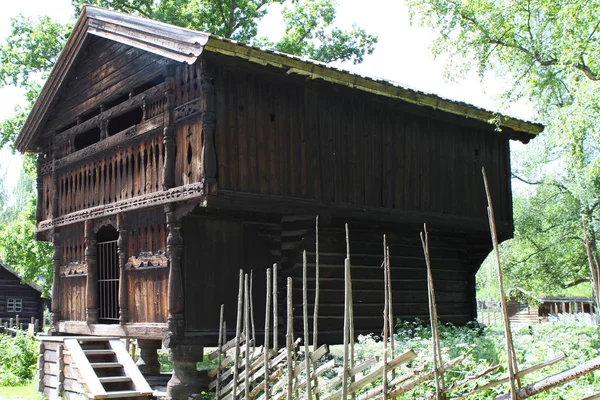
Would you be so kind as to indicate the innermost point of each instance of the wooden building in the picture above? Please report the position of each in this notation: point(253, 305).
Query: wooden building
point(169, 159)
point(18, 298)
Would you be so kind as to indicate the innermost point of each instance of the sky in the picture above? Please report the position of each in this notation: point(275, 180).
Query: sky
point(402, 55)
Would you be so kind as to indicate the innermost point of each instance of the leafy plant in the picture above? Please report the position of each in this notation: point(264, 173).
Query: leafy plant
point(18, 356)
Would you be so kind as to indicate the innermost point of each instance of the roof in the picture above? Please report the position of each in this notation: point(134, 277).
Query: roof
point(15, 273)
point(185, 45)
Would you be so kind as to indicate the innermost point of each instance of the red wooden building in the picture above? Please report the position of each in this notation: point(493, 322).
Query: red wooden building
point(169, 159)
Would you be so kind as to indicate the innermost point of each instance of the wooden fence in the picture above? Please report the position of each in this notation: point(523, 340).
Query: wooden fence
point(12, 325)
point(250, 370)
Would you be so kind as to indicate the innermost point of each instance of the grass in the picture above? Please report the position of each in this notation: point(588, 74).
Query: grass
point(28, 392)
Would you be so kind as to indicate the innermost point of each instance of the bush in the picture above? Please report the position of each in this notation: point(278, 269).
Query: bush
point(18, 359)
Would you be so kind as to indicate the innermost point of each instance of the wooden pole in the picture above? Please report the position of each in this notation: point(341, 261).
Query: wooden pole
point(251, 295)
point(385, 318)
point(433, 318)
point(305, 323)
point(345, 374)
point(267, 333)
point(511, 359)
point(316, 309)
point(247, 331)
point(220, 355)
point(290, 340)
point(238, 333)
point(275, 309)
point(388, 267)
point(350, 308)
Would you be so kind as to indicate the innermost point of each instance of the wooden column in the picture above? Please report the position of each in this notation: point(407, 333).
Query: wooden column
point(209, 123)
point(39, 213)
point(175, 285)
point(92, 273)
point(169, 129)
point(56, 262)
point(122, 250)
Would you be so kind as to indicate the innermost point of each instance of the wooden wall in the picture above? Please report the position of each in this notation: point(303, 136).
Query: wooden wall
point(215, 250)
point(72, 292)
point(104, 71)
point(282, 135)
point(454, 279)
point(147, 288)
point(11, 287)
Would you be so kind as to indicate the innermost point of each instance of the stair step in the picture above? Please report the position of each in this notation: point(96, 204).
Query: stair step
point(122, 393)
point(113, 379)
point(106, 364)
point(94, 352)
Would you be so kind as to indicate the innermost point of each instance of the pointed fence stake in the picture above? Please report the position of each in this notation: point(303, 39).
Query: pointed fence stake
point(511, 358)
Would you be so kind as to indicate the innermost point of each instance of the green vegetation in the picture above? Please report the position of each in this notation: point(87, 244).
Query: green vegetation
point(18, 359)
point(548, 53)
point(28, 392)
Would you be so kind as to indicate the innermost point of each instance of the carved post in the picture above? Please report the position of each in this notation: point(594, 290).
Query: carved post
point(56, 261)
point(92, 273)
point(55, 189)
point(122, 250)
point(169, 129)
point(175, 286)
point(40, 190)
point(209, 123)
point(148, 362)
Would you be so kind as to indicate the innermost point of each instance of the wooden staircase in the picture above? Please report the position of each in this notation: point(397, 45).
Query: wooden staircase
point(98, 368)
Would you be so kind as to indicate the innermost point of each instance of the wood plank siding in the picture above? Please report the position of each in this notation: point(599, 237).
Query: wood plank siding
point(287, 137)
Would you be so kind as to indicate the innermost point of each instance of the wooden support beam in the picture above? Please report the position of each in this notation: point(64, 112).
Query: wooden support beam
point(209, 123)
point(123, 284)
point(91, 260)
point(175, 321)
point(56, 263)
point(169, 129)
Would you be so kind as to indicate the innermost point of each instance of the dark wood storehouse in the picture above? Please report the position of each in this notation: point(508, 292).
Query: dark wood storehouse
point(169, 159)
point(18, 298)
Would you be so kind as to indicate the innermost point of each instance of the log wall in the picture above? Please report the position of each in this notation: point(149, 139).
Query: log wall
point(291, 137)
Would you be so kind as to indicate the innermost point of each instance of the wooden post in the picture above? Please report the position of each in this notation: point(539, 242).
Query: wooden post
point(247, 333)
point(39, 214)
point(275, 310)
point(40, 366)
point(60, 362)
point(385, 319)
point(17, 321)
point(511, 358)
point(267, 333)
point(305, 323)
point(169, 129)
point(290, 340)
point(91, 260)
point(238, 332)
point(175, 284)
point(56, 262)
point(220, 352)
point(209, 118)
point(148, 363)
point(123, 284)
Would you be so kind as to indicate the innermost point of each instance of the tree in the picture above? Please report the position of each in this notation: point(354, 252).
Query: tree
point(33, 47)
point(549, 50)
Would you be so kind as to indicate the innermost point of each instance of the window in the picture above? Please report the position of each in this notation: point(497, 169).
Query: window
point(14, 305)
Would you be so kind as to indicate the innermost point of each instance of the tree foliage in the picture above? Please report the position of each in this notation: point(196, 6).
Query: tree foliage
point(549, 52)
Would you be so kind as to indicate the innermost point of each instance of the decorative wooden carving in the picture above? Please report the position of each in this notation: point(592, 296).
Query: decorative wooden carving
point(56, 258)
point(169, 130)
point(92, 276)
point(39, 210)
point(54, 190)
point(177, 194)
point(209, 119)
point(73, 269)
point(45, 168)
point(187, 110)
point(122, 250)
point(175, 320)
point(148, 260)
point(111, 142)
point(100, 222)
point(115, 111)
